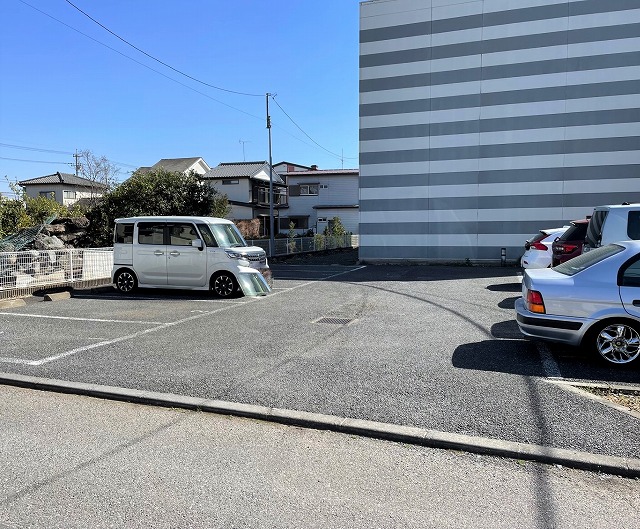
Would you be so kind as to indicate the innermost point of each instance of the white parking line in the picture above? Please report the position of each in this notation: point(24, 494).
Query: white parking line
point(162, 326)
point(45, 316)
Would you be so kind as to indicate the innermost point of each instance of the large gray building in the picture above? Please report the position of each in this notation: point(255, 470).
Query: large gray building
point(483, 121)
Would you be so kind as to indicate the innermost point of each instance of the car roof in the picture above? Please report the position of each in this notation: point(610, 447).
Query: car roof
point(176, 218)
point(618, 206)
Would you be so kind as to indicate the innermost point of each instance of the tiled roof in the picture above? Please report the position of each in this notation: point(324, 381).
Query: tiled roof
point(62, 178)
point(179, 165)
point(241, 170)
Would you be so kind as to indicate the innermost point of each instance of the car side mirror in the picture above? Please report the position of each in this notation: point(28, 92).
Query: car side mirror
point(197, 243)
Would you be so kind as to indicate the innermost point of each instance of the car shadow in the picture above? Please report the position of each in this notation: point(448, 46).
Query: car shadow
point(515, 357)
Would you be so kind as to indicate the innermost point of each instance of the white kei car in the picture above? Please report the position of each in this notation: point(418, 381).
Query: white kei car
point(592, 301)
point(538, 250)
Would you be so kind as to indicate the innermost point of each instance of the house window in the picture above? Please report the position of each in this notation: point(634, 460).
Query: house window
point(48, 194)
point(299, 223)
point(230, 182)
point(69, 194)
point(322, 219)
point(308, 189)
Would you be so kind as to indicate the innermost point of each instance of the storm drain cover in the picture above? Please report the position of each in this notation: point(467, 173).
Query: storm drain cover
point(335, 321)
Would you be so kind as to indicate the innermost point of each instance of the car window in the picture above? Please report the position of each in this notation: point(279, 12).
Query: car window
point(151, 233)
point(576, 232)
point(594, 229)
point(123, 233)
point(584, 261)
point(631, 275)
point(207, 236)
point(182, 234)
point(633, 225)
point(227, 235)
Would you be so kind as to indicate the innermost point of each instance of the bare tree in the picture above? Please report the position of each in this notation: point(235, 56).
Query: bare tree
point(99, 171)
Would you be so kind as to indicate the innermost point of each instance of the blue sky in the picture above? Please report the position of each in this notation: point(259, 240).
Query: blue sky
point(61, 91)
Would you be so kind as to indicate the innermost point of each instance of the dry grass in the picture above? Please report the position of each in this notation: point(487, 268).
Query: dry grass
point(628, 399)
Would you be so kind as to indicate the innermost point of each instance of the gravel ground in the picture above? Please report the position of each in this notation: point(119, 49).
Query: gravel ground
point(342, 256)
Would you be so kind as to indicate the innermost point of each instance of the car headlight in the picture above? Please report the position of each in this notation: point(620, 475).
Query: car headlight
point(234, 255)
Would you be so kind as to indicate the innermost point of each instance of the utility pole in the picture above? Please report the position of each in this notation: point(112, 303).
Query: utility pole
point(77, 164)
point(272, 241)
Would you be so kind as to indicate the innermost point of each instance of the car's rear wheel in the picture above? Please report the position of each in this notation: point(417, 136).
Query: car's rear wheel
point(224, 285)
point(617, 342)
point(126, 281)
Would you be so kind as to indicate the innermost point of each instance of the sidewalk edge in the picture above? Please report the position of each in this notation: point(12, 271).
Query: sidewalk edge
point(406, 434)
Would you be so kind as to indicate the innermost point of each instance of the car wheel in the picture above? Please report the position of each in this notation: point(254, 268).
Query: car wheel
point(224, 285)
point(617, 342)
point(126, 281)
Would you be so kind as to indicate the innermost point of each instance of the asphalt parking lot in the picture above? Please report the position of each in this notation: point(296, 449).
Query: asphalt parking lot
point(427, 346)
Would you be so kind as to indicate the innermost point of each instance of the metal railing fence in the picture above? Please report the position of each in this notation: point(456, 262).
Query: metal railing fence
point(318, 243)
point(25, 272)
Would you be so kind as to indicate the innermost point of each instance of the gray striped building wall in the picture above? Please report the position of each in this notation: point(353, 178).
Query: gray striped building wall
point(483, 121)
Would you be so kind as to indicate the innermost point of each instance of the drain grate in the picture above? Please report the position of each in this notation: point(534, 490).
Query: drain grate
point(335, 321)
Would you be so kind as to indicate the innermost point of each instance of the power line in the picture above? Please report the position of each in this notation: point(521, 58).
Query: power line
point(34, 161)
point(140, 63)
point(183, 84)
point(24, 148)
point(158, 60)
point(303, 132)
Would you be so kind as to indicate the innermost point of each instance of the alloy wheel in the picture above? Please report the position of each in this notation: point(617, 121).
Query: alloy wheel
point(618, 343)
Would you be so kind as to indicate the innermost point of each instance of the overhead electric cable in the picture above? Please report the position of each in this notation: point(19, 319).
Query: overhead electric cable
point(303, 132)
point(158, 60)
point(35, 161)
point(141, 63)
point(24, 148)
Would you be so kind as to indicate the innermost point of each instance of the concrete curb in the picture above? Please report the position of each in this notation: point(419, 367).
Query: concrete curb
point(405, 434)
point(12, 303)
point(57, 296)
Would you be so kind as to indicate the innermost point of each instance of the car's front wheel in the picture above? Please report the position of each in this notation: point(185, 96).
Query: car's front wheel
point(617, 342)
point(224, 285)
point(126, 281)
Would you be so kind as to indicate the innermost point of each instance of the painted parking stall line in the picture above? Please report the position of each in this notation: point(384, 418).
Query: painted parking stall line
point(131, 336)
point(70, 318)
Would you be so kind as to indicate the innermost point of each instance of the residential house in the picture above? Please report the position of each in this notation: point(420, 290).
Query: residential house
point(317, 196)
point(66, 189)
point(180, 165)
point(246, 185)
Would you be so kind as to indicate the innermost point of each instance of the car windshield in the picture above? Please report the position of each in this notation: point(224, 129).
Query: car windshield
point(580, 263)
point(227, 235)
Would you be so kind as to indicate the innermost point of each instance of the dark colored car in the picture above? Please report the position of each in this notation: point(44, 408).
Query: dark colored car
point(570, 243)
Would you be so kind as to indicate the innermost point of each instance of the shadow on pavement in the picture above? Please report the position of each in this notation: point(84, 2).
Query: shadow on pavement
point(516, 357)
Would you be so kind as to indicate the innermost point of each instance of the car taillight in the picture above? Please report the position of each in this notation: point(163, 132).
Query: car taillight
point(535, 302)
point(567, 248)
point(539, 246)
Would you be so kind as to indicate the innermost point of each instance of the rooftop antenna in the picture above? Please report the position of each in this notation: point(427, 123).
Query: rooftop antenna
point(243, 142)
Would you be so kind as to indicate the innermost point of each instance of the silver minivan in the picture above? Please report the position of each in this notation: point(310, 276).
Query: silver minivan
point(196, 253)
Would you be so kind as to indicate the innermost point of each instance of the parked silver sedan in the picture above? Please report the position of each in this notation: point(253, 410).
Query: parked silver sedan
point(592, 301)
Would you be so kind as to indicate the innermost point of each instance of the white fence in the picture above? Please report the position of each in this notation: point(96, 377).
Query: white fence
point(25, 272)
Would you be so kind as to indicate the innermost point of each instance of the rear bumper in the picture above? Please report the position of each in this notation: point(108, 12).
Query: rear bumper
point(561, 329)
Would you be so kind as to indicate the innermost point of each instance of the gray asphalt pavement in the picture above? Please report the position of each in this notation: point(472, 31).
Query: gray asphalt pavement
point(76, 462)
point(432, 347)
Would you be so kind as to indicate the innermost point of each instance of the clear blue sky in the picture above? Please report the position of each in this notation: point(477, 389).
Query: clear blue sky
point(61, 91)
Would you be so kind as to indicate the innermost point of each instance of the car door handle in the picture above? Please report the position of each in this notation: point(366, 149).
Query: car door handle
point(636, 302)
point(158, 252)
point(175, 253)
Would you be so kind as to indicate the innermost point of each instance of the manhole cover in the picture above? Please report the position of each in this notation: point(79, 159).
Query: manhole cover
point(335, 321)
